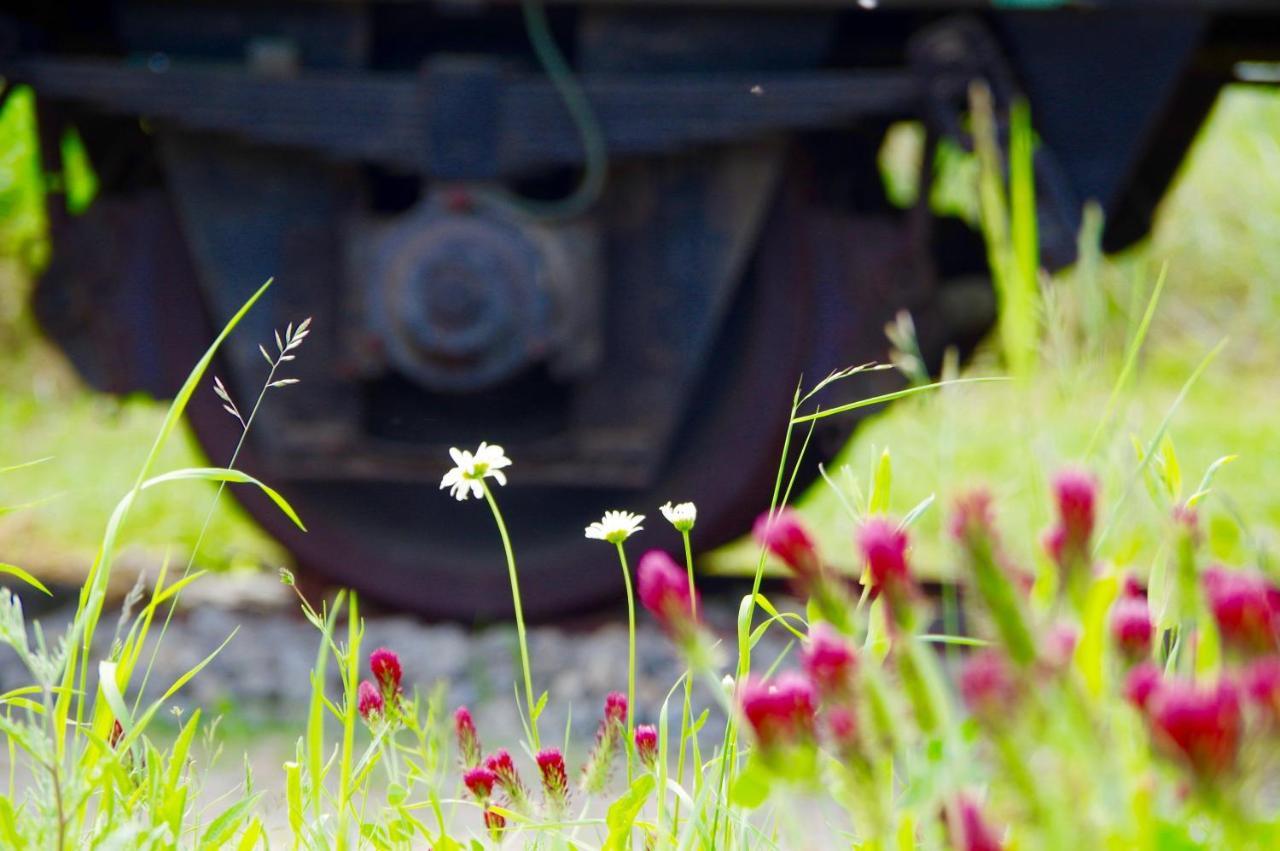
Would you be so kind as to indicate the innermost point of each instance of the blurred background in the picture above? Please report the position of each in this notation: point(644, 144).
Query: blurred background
point(800, 240)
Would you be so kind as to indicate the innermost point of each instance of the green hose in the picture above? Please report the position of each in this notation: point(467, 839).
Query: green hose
point(590, 187)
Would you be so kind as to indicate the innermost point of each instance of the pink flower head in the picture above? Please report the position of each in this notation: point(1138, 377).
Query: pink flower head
point(884, 546)
point(385, 665)
point(555, 777)
point(1076, 494)
point(664, 590)
point(829, 661)
point(1200, 725)
point(786, 537)
point(504, 769)
point(1133, 588)
point(1141, 685)
point(646, 738)
point(1261, 684)
point(369, 701)
point(1059, 646)
point(973, 520)
point(494, 821)
point(780, 712)
point(1131, 627)
point(468, 738)
point(479, 781)
point(1246, 607)
point(987, 684)
point(842, 724)
point(615, 709)
point(969, 828)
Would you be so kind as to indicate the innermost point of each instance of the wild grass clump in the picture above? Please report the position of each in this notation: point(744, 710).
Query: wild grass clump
point(1081, 705)
point(1064, 696)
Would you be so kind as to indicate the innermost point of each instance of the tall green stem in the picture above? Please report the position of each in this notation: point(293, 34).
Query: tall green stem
point(631, 658)
point(515, 598)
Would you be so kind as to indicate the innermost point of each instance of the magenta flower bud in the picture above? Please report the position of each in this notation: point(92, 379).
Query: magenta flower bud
point(884, 546)
point(974, 519)
point(1261, 685)
point(969, 828)
point(663, 589)
point(555, 777)
point(1142, 684)
point(494, 822)
point(779, 712)
point(369, 701)
point(1076, 494)
point(1199, 725)
point(468, 739)
point(1133, 588)
point(385, 665)
point(1131, 627)
point(504, 770)
point(479, 781)
point(830, 661)
point(842, 724)
point(786, 537)
point(1246, 607)
point(988, 685)
point(615, 708)
point(646, 738)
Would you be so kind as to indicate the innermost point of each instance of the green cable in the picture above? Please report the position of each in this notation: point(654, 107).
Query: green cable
point(590, 187)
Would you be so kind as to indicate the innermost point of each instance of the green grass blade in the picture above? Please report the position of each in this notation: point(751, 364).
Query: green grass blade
point(226, 474)
point(13, 570)
point(889, 397)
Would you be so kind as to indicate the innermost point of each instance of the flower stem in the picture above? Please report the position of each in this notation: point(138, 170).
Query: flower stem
point(515, 598)
point(631, 658)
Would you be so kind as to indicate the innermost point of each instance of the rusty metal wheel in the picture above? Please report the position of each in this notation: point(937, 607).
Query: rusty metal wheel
point(815, 298)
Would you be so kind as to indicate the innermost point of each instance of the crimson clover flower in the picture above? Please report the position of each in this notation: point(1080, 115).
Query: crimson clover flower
point(555, 778)
point(1200, 725)
point(646, 740)
point(780, 712)
point(785, 536)
point(1143, 681)
point(1131, 627)
point(830, 662)
point(468, 739)
point(969, 828)
point(663, 589)
point(988, 685)
point(369, 701)
point(1246, 607)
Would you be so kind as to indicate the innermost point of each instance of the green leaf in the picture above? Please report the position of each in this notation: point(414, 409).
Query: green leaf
point(226, 474)
point(622, 813)
point(914, 514)
point(225, 826)
point(881, 482)
point(111, 691)
point(1205, 487)
point(540, 705)
point(751, 786)
point(13, 570)
point(1170, 469)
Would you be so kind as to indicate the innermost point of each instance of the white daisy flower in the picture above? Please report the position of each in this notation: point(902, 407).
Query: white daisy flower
point(464, 479)
point(682, 516)
point(615, 527)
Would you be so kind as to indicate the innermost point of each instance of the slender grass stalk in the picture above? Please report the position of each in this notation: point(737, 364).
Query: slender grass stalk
point(686, 716)
point(628, 745)
point(530, 706)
